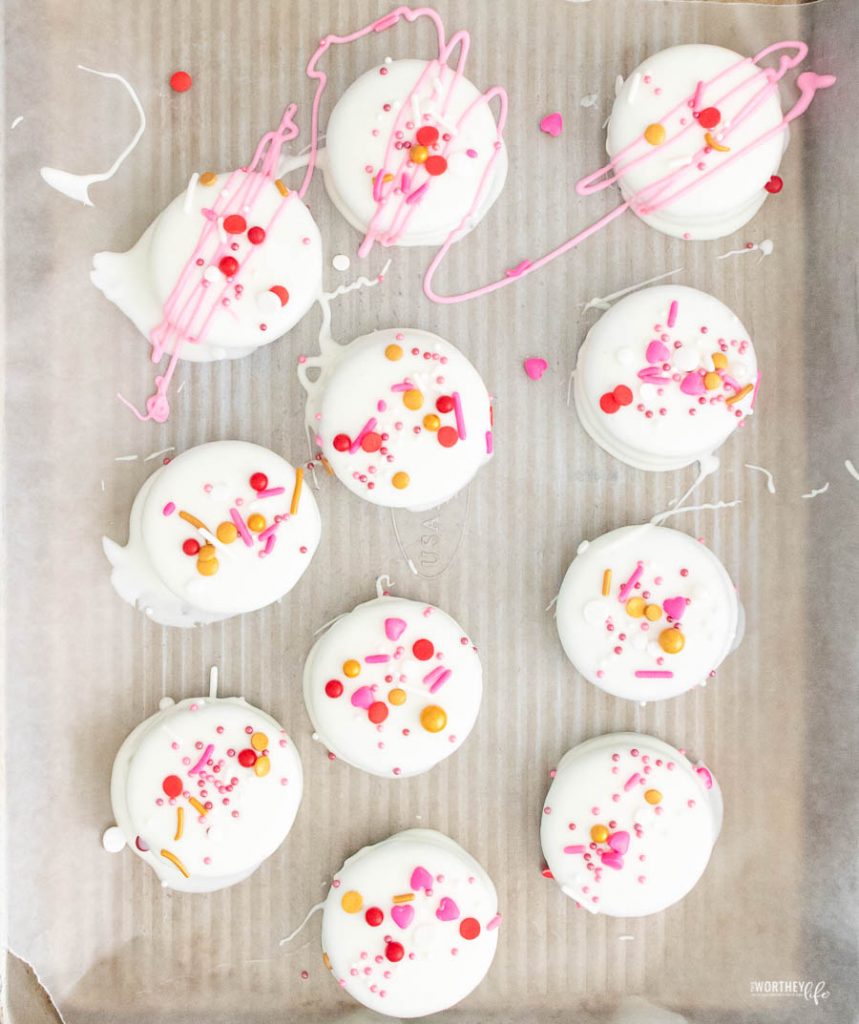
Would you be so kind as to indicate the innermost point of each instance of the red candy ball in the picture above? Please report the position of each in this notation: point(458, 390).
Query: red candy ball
point(469, 928)
point(608, 403)
point(334, 688)
point(256, 236)
point(423, 650)
point(247, 758)
point(377, 712)
point(191, 546)
point(709, 117)
point(774, 185)
point(622, 395)
point(341, 442)
point(394, 952)
point(180, 81)
point(427, 136)
point(235, 224)
point(172, 786)
point(374, 917)
point(435, 165)
point(259, 481)
point(447, 437)
point(444, 403)
point(371, 442)
point(228, 266)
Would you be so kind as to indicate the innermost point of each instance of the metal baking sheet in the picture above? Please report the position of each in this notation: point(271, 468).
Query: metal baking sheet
point(778, 725)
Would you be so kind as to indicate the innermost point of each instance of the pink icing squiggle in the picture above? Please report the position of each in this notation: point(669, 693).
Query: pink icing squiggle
point(187, 314)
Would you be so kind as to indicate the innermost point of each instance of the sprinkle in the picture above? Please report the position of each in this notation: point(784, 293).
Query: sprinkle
point(696, 99)
point(356, 444)
point(271, 492)
point(518, 270)
point(552, 124)
point(207, 753)
point(394, 628)
point(125, 458)
point(672, 314)
point(442, 679)
point(168, 509)
point(740, 395)
point(180, 81)
point(488, 442)
point(405, 385)
point(377, 659)
point(341, 262)
point(493, 923)
point(417, 195)
point(404, 897)
point(208, 178)
point(632, 780)
point(630, 583)
point(244, 533)
point(578, 848)
point(180, 822)
point(457, 411)
point(431, 677)
point(654, 134)
point(711, 142)
point(654, 675)
point(606, 583)
point(296, 493)
point(198, 807)
point(193, 520)
point(284, 191)
point(269, 544)
point(167, 855)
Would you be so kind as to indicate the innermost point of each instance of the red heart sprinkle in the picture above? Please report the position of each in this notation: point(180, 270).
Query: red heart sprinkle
point(774, 185)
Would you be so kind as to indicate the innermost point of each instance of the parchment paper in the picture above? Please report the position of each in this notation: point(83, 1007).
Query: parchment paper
point(778, 725)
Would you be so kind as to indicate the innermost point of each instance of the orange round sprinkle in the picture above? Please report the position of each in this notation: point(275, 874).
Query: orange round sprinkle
point(400, 481)
point(653, 613)
point(712, 381)
point(433, 718)
point(352, 901)
point(418, 154)
point(652, 796)
point(720, 361)
point(351, 668)
point(262, 766)
point(431, 421)
point(206, 553)
point(397, 697)
point(413, 399)
point(635, 607)
point(672, 641)
point(207, 568)
point(259, 741)
point(207, 178)
point(393, 352)
point(599, 833)
point(654, 134)
point(256, 522)
point(226, 532)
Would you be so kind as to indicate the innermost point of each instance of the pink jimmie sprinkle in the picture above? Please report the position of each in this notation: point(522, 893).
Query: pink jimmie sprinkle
point(377, 659)
point(244, 532)
point(417, 195)
point(270, 542)
point(169, 509)
point(405, 385)
point(272, 492)
point(518, 270)
point(442, 679)
point(494, 923)
point(488, 442)
point(368, 426)
point(207, 753)
point(457, 410)
point(630, 583)
point(431, 677)
point(696, 99)
point(631, 782)
point(672, 314)
point(654, 675)
point(578, 848)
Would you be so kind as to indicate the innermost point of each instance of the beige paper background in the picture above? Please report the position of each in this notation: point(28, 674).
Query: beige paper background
point(778, 724)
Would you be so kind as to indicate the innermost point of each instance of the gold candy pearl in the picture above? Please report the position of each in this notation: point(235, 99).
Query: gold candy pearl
point(433, 718)
point(397, 697)
point(259, 741)
point(207, 178)
point(206, 553)
point(672, 641)
point(256, 522)
point(635, 607)
point(352, 901)
point(712, 381)
point(720, 360)
point(413, 399)
point(431, 422)
point(652, 796)
point(400, 481)
point(226, 532)
point(393, 352)
point(654, 134)
point(208, 567)
point(599, 833)
point(262, 766)
point(653, 613)
point(351, 668)
point(418, 154)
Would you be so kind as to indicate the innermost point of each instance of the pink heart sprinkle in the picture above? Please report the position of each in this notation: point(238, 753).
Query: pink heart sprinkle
point(362, 697)
point(612, 860)
point(403, 914)
point(535, 367)
point(447, 910)
point(656, 352)
point(394, 628)
point(552, 124)
point(692, 384)
point(674, 607)
point(619, 842)
point(421, 879)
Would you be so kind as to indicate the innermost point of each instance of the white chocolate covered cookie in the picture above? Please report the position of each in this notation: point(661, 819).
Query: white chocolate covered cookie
point(205, 790)
point(401, 416)
point(412, 152)
point(410, 925)
point(223, 529)
point(393, 687)
point(696, 134)
point(646, 612)
point(629, 824)
point(664, 377)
